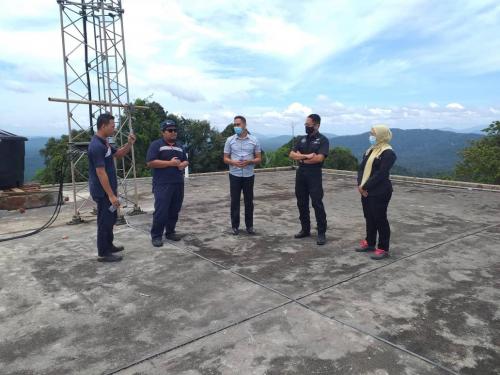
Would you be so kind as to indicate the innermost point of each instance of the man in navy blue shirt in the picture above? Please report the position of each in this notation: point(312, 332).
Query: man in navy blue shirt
point(103, 184)
point(310, 151)
point(167, 159)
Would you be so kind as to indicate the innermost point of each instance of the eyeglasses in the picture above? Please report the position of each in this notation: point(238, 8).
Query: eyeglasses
point(172, 130)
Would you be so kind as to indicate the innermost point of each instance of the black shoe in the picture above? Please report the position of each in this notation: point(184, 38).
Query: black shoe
point(302, 234)
point(235, 231)
point(321, 239)
point(157, 242)
point(110, 258)
point(172, 237)
point(251, 231)
point(117, 249)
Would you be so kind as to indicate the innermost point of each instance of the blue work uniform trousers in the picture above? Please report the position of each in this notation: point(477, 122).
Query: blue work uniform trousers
point(168, 203)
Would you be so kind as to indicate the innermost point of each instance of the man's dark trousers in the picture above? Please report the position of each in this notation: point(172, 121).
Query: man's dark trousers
point(105, 222)
point(168, 203)
point(309, 183)
point(236, 185)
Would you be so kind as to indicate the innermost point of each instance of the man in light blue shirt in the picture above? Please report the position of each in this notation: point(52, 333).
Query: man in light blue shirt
point(241, 152)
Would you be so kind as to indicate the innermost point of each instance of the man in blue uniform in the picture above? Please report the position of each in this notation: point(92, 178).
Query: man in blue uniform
point(103, 184)
point(167, 159)
point(310, 151)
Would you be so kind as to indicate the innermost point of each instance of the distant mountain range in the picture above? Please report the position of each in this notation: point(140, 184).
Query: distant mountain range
point(473, 130)
point(421, 152)
point(271, 143)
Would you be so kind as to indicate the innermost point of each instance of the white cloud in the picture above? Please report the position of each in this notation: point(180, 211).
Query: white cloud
point(297, 109)
point(15, 86)
point(180, 92)
point(464, 36)
point(273, 35)
point(456, 106)
point(354, 119)
point(216, 58)
point(380, 111)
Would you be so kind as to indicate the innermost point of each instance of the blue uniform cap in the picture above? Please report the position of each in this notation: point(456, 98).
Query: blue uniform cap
point(167, 124)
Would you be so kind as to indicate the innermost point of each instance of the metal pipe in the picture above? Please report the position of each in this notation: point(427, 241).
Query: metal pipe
point(118, 98)
point(68, 113)
point(87, 65)
point(95, 102)
point(103, 26)
point(131, 130)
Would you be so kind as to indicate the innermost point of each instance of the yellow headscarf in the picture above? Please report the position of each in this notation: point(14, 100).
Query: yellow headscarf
point(384, 136)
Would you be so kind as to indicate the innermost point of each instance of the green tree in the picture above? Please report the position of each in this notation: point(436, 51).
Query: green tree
point(55, 155)
point(279, 157)
point(203, 143)
point(338, 157)
point(481, 160)
point(341, 158)
point(146, 124)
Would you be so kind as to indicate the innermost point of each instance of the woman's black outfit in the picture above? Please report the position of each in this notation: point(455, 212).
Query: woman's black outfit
point(379, 188)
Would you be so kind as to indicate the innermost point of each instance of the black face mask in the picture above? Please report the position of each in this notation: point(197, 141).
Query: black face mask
point(309, 130)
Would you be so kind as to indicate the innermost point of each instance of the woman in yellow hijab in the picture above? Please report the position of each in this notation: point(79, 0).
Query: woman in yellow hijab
point(375, 188)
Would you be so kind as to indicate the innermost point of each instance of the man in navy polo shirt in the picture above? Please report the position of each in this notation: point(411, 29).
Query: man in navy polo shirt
point(167, 159)
point(103, 184)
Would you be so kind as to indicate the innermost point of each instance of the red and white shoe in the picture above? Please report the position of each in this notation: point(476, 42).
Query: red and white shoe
point(364, 247)
point(380, 254)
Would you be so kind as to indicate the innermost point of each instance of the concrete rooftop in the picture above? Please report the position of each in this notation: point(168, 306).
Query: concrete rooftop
point(269, 304)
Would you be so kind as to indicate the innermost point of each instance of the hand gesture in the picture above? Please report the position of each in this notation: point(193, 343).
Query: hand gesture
point(244, 163)
point(131, 138)
point(175, 161)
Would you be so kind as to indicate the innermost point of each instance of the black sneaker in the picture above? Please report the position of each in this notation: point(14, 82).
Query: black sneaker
point(157, 242)
point(302, 234)
point(117, 249)
point(173, 237)
point(321, 239)
point(235, 231)
point(110, 258)
point(251, 231)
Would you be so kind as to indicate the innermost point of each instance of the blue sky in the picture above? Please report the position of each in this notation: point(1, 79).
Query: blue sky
point(410, 64)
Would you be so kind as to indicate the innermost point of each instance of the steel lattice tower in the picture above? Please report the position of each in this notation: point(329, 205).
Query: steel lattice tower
point(96, 81)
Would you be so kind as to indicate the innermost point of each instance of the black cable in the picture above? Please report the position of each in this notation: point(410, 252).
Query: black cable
point(55, 214)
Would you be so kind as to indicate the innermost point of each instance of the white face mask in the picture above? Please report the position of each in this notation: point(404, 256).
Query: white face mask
point(372, 139)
